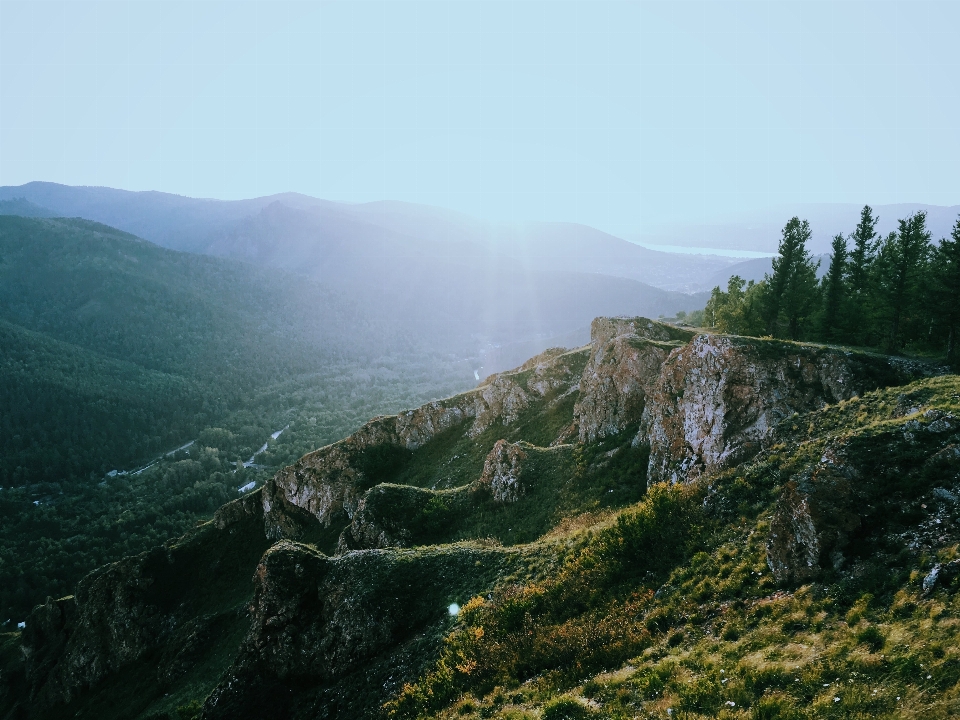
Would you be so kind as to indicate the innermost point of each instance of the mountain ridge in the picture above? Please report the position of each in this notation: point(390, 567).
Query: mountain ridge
point(190, 224)
point(485, 479)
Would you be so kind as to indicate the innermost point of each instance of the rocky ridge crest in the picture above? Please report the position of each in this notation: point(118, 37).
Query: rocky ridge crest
point(701, 402)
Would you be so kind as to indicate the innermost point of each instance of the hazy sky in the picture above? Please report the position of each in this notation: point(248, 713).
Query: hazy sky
point(621, 115)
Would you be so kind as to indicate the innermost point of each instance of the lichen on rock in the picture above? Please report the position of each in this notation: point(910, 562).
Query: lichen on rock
point(814, 517)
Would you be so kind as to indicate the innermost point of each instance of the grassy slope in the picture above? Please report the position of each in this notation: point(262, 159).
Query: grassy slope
point(673, 607)
point(640, 602)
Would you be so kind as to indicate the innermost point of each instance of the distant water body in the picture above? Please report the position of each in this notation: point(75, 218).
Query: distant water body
point(689, 250)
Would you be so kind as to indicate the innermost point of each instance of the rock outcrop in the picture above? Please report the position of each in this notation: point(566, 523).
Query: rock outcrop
point(502, 470)
point(323, 483)
point(155, 603)
point(815, 515)
point(891, 477)
point(317, 620)
point(401, 516)
point(625, 359)
point(328, 484)
point(718, 398)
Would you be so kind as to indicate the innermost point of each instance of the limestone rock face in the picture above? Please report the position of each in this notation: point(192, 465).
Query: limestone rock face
point(503, 400)
point(719, 397)
point(415, 427)
point(625, 359)
point(815, 514)
point(327, 484)
point(502, 470)
point(322, 483)
point(318, 619)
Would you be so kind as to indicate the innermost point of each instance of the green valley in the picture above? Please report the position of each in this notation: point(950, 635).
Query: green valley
point(116, 351)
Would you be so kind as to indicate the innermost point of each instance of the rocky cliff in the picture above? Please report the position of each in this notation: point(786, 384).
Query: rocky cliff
point(318, 621)
point(329, 483)
point(718, 398)
point(424, 509)
point(166, 608)
point(625, 359)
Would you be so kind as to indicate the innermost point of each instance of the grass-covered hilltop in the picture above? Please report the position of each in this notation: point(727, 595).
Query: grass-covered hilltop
point(663, 523)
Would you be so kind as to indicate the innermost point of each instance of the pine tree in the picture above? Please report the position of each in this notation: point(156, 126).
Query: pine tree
point(900, 268)
point(834, 291)
point(859, 275)
point(947, 290)
point(793, 284)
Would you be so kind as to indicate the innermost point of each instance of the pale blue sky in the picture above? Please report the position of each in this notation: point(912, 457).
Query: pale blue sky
point(621, 115)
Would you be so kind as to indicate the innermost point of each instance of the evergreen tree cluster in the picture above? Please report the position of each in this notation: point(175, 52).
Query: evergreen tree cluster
point(894, 292)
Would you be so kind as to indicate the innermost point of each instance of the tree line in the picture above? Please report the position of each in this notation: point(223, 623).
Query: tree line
point(893, 292)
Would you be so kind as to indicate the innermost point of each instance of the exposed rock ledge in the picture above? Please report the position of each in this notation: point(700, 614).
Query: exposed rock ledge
point(625, 359)
point(718, 398)
point(329, 483)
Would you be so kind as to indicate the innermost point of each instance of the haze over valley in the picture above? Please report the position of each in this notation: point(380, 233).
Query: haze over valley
point(519, 360)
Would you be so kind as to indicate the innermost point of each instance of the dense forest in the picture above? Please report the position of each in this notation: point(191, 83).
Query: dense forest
point(114, 352)
point(897, 292)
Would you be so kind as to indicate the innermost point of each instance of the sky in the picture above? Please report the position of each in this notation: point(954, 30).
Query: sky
point(627, 116)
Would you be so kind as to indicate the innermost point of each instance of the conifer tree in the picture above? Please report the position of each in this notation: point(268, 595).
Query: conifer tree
point(947, 290)
point(859, 275)
point(793, 284)
point(834, 291)
point(900, 268)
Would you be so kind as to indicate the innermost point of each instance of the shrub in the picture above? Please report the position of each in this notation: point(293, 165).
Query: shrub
point(190, 711)
point(872, 637)
point(564, 708)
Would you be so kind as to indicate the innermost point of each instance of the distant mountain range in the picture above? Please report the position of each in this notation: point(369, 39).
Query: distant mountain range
point(304, 234)
point(423, 276)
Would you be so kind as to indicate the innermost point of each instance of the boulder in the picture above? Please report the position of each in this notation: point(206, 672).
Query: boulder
point(814, 517)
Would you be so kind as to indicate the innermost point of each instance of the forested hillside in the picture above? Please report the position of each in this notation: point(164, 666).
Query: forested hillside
point(114, 351)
